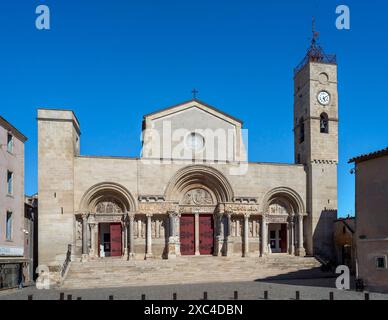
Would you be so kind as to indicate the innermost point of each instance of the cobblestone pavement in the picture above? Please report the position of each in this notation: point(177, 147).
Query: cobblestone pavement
point(310, 289)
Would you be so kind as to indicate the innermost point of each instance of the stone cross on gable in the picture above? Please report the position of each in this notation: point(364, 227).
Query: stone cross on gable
point(194, 92)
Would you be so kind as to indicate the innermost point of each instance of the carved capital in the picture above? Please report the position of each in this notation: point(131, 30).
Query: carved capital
point(247, 215)
point(173, 214)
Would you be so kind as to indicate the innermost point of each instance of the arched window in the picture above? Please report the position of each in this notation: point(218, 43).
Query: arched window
point(324, 123)
point(301, 130)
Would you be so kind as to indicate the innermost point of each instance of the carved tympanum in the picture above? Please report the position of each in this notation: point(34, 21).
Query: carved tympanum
point(278, 208)
point(197, 197)
point(108, 207)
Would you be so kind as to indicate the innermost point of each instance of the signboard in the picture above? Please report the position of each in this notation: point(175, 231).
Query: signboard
point(11, 251)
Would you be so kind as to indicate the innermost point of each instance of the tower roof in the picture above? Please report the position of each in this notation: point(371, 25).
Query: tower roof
point(315, 53)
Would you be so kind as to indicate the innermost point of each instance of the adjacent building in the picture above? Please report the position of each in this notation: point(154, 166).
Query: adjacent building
point(372, 218)
point(193, 191)
point(12, 228)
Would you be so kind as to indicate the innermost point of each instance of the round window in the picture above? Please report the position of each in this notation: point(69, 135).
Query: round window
point(195, 141)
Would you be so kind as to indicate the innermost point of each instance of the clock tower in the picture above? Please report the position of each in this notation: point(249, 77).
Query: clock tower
point(316, 143)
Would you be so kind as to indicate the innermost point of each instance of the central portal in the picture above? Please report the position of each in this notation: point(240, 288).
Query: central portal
point(188, 235)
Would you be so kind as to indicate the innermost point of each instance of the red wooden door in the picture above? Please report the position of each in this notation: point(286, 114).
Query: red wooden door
point(206, 234)
point(283, 238)
point(187, 234)
point(115, 239)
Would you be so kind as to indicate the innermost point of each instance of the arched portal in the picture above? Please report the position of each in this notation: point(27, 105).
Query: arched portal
point(283, 210)
point(198, 190)
point(119, 197)
point(104, 210)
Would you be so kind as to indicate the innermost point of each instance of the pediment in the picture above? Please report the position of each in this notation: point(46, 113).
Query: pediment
point(190, 106)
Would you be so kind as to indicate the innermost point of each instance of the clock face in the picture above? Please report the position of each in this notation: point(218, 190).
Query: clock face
point(324, 98)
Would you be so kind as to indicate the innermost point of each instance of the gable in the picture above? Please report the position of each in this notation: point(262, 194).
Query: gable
point(194, 104)
point(169, 133)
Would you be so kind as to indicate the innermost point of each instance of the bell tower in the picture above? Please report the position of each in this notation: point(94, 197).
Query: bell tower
point(316, 142)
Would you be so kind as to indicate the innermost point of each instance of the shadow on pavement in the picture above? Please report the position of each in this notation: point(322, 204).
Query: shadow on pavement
point(314, 277)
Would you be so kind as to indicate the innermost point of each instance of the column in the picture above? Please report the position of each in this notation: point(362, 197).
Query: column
point(84, 237)
point(149, 236)
point(219, 235)
point(229, 217)
point(288, 238)
point(172, 236)
point(246, 235)
point(264, 236)
point(196, 224)
point(300, 251)
point(292, 251)
point(228, 236)
point(125, 237)
point(131, 235)
point(93, 244)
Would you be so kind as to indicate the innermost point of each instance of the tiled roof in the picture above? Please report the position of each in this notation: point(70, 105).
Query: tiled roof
point(6, 125)
point(369, 156)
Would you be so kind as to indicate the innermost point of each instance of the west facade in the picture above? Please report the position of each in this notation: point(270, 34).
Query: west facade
point(12, 232)
point(193, 191)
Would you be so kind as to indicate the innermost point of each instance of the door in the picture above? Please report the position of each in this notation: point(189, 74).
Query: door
point(283, 238)
point(187, 234)
point(115, 240)
point(206, 234)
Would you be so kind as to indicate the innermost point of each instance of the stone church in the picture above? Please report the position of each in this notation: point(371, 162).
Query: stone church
point(193, 191)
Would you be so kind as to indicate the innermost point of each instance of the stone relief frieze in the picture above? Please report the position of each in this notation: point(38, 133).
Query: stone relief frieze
point(157, 207)
point(194, 209)
point(238, 208)
point(277, 218)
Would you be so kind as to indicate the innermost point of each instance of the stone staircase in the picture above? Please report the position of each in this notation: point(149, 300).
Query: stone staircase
point(115, 272)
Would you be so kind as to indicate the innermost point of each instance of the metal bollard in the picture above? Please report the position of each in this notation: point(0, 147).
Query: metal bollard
point(143, 297)
point(205, 295)
point(266, 295)
point(69, 297)
point(366, 296)
point(297, 295)
point(61, 296)
point(331, 295)
point(236, 295)
point(111, 297)
point(174, 296)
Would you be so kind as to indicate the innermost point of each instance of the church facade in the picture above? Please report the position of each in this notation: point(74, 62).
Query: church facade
point(193, 191)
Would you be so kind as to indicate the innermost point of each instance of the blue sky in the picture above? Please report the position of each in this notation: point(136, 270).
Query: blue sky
point(113, 61)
